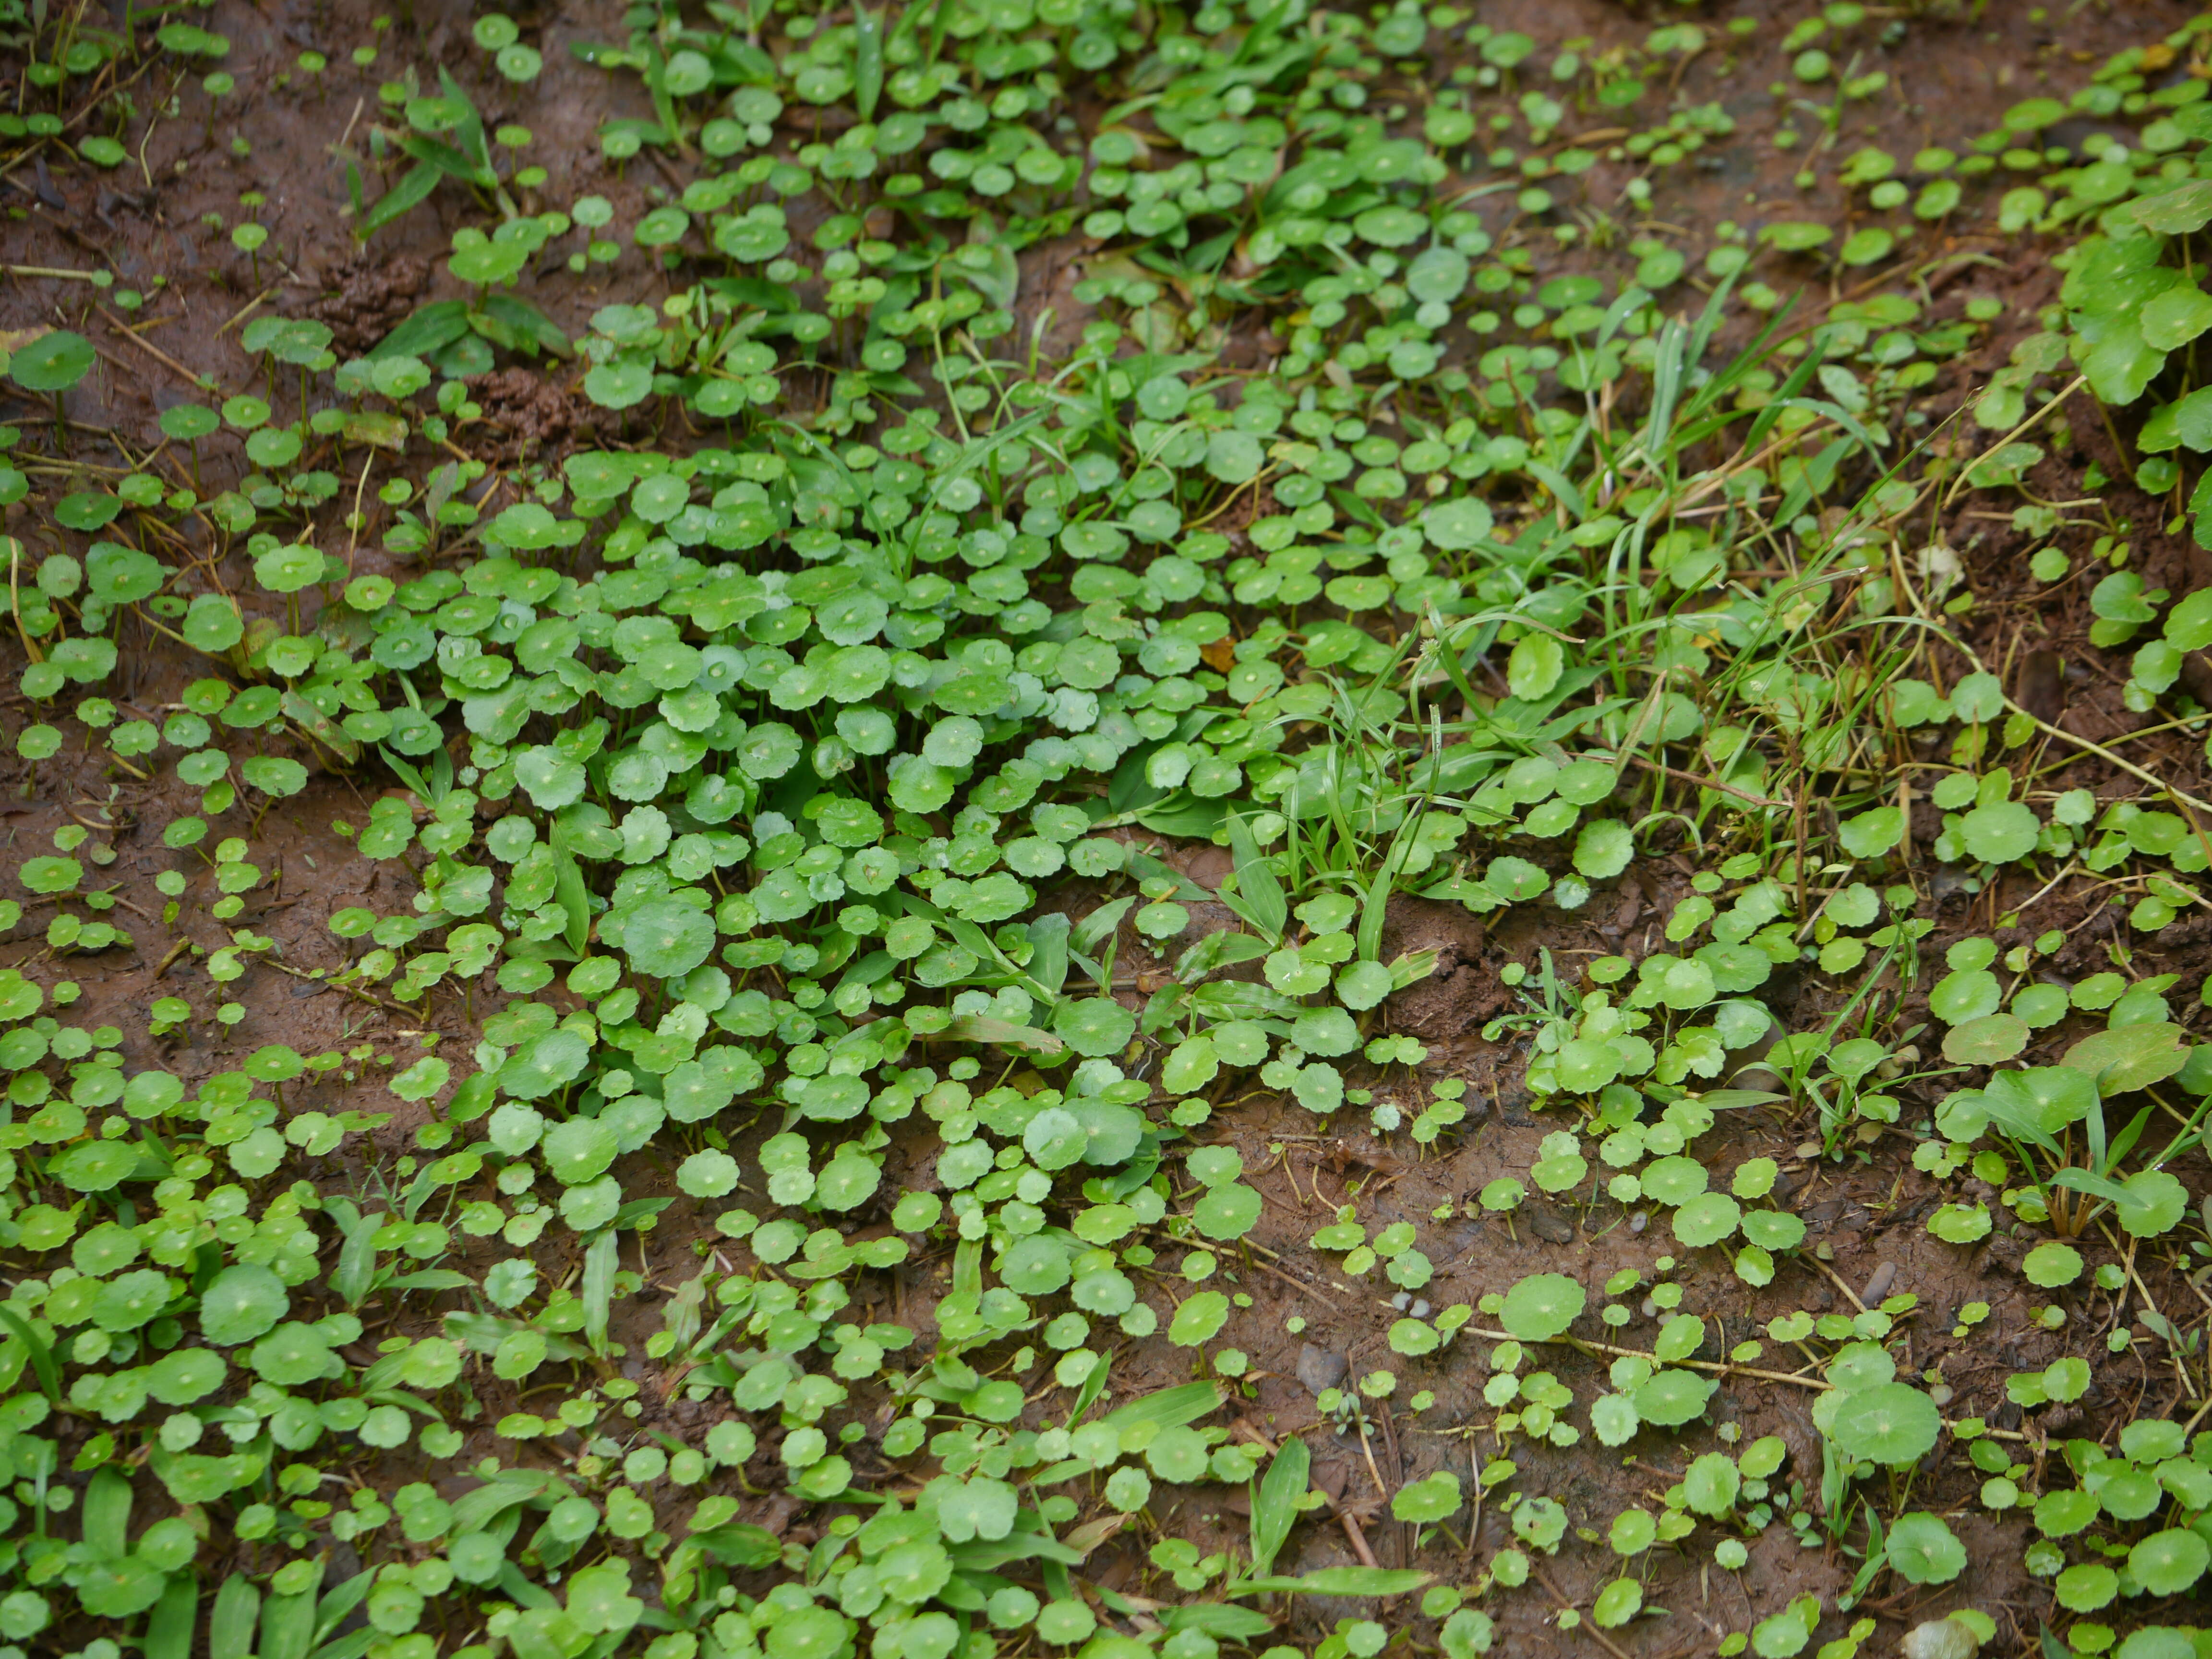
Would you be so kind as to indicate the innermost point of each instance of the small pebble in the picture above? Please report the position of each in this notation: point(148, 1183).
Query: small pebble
point(1940, 1394)
point(1940, 1638)
point(1639, 1222)
point(1319, 1368)
point(1884, 1275)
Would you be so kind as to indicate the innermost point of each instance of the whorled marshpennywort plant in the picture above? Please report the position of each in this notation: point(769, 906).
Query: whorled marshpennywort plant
point(790, 789)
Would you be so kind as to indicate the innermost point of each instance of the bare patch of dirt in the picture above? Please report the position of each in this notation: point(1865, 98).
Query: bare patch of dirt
point(530, 417)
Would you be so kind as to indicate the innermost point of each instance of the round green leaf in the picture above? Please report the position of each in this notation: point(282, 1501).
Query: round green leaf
point(1711, 1484)
point(2051, 1264)
point(579, 1150)
point(545, 1064)
point(666, 939)
point(1672, 1398)
point(93, 1166)
point(709, 1173)
point(1363, 984)
point(1894, 1424)
point(1095, 1026)
point(1617, 1603)
point(1960, 1224)
point(241, 1302)
point(1871, 834)
point(1433, 1497)
point(1674, 1180)
point(1199, 1318)
point(287, 570)
point(184, 1374)
point(1542, 1306)
point(1228, 1212)
point(292, 1354)
point(2130, 1057)
point(128, 1302)
point(619, 385)
point(1796, 235)
point(1603, 849)
point(1707, 1219)
point(2085, 1587)
point(212, 625)
point(1866, 245)
point(422, 1080)
point(2001, 833)
point(54, 362)
point(1923, 1551)
point(1987, 1041)
point(2168, 1563)
point(47, 874)
point(184, 422)
point(847, 1182)
point(274, 774)
point(1178, 1453)
point(1615, 1421)
point(117, 1586)
point(1036, 1265)
point(1457, 526)
point(2152, 1203)
point(1534, 666)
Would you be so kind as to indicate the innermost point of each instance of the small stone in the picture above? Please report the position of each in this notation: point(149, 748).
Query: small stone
point(1639, 1221)
point(1878, 1287)
point(1319, 1368)
point(1940, 1394)
point(1551, 1226)
point(1940, 1638)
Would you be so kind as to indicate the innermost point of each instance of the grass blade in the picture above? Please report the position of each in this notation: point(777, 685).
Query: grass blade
point(41, 1356)
point(356, 1269)
point(107, 1514)
point(1340, 1581)
point(413, 189)
point(471, 130)
point(1275, 1503)
point(230, 1626)
point(169, 1627)
point(598, 1288)
point(1170, 1408)
point(1049, 936)
point(288, 1626)
point(1094, 929)
point(1264, 903)
point(330, 1611)
point(575, 900)
point(867, 61)
point(407, 775)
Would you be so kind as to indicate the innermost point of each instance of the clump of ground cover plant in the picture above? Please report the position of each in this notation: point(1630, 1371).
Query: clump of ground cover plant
point(806, 756)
